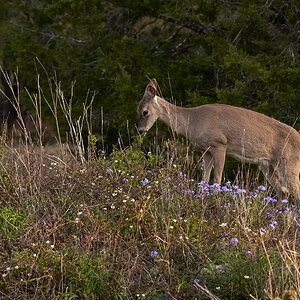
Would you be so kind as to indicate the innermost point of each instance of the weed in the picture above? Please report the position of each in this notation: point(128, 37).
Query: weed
point(11, 222)
point(75, 224)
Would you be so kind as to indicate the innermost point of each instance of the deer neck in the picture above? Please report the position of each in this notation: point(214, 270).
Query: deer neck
point(177, 118)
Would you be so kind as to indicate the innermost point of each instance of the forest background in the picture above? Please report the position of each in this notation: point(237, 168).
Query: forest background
point(243, 53)
point(75, 220)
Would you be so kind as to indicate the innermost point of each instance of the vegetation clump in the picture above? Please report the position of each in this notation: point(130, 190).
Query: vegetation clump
point(145, 227)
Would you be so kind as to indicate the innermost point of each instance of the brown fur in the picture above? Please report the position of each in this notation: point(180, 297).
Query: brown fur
point(219, 129)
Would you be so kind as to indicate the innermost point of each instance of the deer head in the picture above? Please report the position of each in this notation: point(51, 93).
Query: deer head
point(148, 109)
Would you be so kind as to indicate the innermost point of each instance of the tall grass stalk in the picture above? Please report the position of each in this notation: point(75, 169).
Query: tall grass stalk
point(74, 224)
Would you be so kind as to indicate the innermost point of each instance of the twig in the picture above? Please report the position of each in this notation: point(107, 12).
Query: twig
point(206, 291)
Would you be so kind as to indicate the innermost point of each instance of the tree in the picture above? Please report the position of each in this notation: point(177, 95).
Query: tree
point(240, 53)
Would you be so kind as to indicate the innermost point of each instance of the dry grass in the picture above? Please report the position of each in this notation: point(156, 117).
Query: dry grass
point(74, 224)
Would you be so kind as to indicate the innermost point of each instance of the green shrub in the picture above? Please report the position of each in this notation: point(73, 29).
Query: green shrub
point(11, 222)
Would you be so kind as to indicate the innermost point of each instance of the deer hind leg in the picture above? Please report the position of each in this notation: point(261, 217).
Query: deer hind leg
point(274, 178)
point(294, 187)
point(292, 182)
point(207, 164)
point(218, 155)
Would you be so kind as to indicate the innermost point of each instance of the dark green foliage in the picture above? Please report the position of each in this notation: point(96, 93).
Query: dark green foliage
point(241, 53)
point(11, 222)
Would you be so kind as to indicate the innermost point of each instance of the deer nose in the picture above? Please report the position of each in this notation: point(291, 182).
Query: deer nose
point(141, 131)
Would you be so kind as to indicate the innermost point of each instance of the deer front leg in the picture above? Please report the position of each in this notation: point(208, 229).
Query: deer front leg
point(207, 164)
point(218, 155)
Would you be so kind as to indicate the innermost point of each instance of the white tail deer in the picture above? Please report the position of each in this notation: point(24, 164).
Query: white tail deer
point(219, 129)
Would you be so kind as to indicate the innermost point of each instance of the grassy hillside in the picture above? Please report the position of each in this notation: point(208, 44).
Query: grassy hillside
point(75, 224)
point(135, 227)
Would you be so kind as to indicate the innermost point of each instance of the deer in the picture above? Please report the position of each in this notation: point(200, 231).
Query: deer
point(219, 130)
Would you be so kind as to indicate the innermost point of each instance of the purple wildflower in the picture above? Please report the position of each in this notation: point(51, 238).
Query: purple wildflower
point(272, 226)
point(196, 280)
point(206, 190)
point(262, 188)
point(234, 241)
point(145, 181)
point(109, 171)
point(225, 189)
point(269, 215)
point(269, 199)
point(284, 201)
point(198, 196)
point(201, 184)
point(215, 185)
point(240, 191)
point(262, 230)
point(153, 254)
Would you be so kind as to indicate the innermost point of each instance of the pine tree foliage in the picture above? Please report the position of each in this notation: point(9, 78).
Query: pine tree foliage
point(243, 53)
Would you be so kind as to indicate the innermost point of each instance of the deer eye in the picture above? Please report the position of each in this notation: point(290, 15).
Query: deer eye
point(145, 113)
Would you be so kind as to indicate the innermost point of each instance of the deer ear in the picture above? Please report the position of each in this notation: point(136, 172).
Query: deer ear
point(152, 87)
